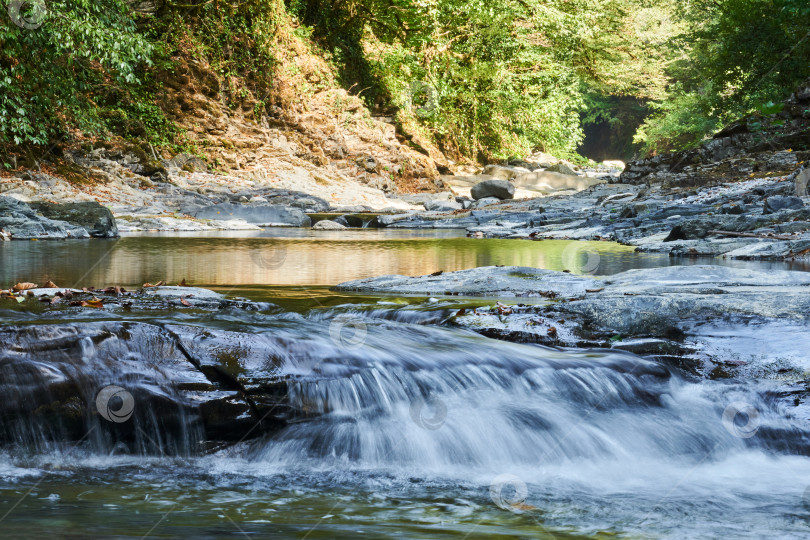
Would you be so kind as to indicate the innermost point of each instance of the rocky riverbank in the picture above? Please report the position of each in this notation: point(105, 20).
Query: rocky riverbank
point(742, 194)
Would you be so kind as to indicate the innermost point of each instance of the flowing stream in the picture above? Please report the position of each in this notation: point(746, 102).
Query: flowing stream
point(397, 422)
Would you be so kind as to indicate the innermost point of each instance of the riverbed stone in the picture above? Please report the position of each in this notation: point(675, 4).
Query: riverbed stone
point(502, 189)
point(775, 204)
point(328, 225)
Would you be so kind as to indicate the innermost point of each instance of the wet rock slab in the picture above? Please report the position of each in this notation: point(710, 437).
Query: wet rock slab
point(484, 281)
point(688, 316)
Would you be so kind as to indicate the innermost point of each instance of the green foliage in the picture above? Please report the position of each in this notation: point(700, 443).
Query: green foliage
point(509, 77)
point(736, 56)
point(52, 75)
point(484, 79)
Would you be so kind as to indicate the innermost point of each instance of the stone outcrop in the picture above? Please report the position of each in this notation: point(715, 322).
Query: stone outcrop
point(96, 219)
point(51, 221)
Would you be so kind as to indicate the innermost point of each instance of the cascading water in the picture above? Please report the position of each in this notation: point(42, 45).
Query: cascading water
point(381, 405)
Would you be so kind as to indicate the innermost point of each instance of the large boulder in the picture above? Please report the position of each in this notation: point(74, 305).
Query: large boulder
point(502, 189)
point(96, 219)
point(259, 214)
point(21, 222)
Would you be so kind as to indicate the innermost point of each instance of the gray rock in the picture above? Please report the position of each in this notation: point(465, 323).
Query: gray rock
point(502, 189)
point(269, 215)
point(327, 225)
point(96, 219)
point(777, 203)
point(442, 206)
point(19, 221)
point(342, 220)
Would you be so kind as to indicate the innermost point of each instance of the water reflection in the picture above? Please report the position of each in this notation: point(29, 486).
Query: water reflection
point(305, 257)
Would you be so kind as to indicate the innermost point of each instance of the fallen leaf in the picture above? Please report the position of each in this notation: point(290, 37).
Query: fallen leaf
point(461, 312)
point(552, 332)
point(160, 283)
point(440, 272)
point(56, 300)
point(185, 302)
point(182, 283)
point(50, 285)
point(24, 286)
point(147, 285)
point(595, 290)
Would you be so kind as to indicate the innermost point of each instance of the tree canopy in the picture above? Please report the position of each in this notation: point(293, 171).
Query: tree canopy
point(482, 79)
